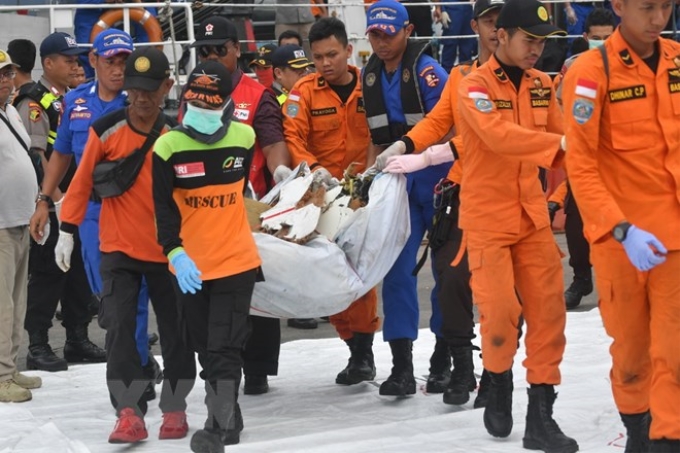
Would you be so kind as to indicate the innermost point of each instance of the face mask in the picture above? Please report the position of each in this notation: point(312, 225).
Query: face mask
point(594, 43)
point(202, 120)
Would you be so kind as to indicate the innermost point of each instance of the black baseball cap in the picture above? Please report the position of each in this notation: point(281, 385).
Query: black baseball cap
point(215, 31)
point(60, 43)
point(486, 6)
point(291, 56)
point(209, 82)
point(145, 69)
point(264, 57)
point(530, 16)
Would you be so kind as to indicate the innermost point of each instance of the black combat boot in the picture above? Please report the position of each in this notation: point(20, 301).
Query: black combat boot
point(637, 432)
point(40, 355)
point(401, 381)
point(79, 348)
point(542, 432)
point(255, 384)
point(498, 410)
point(222, 427)
point(360, 366)
point(664, 446)
point(483, 390)
point(579, 288)
point(462, 378)
point(440, 368)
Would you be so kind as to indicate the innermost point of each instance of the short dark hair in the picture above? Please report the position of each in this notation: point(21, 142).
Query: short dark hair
point(325, 28)
point(22, 52)
point(288, 34)
point(601, 17)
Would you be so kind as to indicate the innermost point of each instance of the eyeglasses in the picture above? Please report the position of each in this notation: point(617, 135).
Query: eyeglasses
point(220, 51)
point(9, 75)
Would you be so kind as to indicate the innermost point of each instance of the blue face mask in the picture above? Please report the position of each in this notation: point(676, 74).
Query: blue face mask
point(594, 43)
point(202, 120)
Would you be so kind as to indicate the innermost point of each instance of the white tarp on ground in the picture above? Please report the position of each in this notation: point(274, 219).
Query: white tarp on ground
point(306, 411)
point(324, 277)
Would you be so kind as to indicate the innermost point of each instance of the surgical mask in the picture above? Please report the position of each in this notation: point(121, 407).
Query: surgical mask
point(201, 120)
point(594, 43)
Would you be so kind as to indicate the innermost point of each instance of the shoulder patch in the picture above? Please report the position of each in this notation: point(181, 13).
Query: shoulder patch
point(582, 110)
point(484, 105)
point(586, 88)
point(292, 110)
point(34, 114)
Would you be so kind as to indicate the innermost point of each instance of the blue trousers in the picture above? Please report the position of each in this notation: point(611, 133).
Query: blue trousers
point(400, 287)
point(92, 256)
point(458, 48)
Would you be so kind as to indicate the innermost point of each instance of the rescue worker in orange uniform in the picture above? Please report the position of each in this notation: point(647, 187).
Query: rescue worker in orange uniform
point(325, 125)
point(454, 293)
point(511, 125)
point(624, 130)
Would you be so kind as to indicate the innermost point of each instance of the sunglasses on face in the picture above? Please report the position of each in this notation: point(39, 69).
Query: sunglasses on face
point(220, 51)
point(8, 75)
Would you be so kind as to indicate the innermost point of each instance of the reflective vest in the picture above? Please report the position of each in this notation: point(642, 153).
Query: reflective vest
point(382, 131)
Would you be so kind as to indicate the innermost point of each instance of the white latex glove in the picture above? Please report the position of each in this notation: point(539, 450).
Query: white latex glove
point(63, 251)
point(322, 176)
point(46, 234)
point(281, 173)
point(445, 19)
point(57, 208)
point(572, 18)
point(434, 155)
point(395, 149)
point(563, 143)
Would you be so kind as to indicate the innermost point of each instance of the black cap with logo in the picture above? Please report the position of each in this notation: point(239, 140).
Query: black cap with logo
point(145, 69)
point(530, 16)
point(264, 57)
point(291, 56)
point(209, 82)
point(215, 31)
point(486, 6)
point(60, 43)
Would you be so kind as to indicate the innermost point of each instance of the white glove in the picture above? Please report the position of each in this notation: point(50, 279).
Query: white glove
point(445, 19)
point(46, 234)
point(281, 173)
point(322, 176)
point(63, 251)
point(563, 143)
point(434, 155)
point(57, 208)
point(395, 149)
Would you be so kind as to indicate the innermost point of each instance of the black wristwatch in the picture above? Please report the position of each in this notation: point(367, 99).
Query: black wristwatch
point(620, 231)
point(42, 197)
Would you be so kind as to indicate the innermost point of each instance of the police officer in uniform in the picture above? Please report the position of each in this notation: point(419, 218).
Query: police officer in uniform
point(40, 109)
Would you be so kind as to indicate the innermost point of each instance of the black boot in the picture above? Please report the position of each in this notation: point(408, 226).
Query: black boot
point(483, 389)
point(79, 348)
point(542, 432)
point(637, 429)
point(360, 366)
point(498, 410)
point(579, 288)
point(40, 355)
point(462, 378)
point(440, 368)
point(255, 384)
point(401, 381)
point(664, 446)
point(302, 323)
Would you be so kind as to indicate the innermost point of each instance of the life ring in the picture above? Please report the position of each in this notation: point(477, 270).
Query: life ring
point(139, 15)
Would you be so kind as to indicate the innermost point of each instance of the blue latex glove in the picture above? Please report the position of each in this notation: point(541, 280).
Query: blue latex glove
point(188, 275)
point(638, 245)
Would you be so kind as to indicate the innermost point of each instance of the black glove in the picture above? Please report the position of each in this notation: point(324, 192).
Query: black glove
point(552, 209)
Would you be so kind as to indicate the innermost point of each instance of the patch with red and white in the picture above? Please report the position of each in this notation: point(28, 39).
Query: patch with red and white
point(478, 93)
point(190, 170)
point(586, 88)
point(294, 96)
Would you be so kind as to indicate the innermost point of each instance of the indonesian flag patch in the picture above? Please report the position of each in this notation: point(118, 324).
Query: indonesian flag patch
point(586, 88)
point(478, 93)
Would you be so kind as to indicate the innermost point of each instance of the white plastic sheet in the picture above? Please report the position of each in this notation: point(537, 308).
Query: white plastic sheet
point(324, 277)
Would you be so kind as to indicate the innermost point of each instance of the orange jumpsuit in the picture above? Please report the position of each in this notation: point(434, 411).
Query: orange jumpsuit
point(623, 140)
point(323, 131)
point(507, 135)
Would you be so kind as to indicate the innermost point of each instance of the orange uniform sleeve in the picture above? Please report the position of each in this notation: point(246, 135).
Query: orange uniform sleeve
point(75, 203)
point(559, 194)
point(501, 136)
point(555, 116)
point(584, 91)
point(296, 124)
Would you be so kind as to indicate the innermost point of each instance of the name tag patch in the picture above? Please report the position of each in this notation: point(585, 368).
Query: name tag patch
point(503, 105)
point(190, 170)
point(323, 112)
point(627, 94)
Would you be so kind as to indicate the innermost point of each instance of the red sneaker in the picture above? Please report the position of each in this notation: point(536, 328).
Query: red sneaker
point(129, 428)
point(174, 425)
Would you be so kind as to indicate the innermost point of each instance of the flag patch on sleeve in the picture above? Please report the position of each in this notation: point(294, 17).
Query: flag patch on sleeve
point(478, 93)
point(586, 88)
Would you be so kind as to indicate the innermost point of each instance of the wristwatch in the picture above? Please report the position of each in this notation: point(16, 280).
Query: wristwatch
point(620, 231)
point(42, 197)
